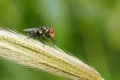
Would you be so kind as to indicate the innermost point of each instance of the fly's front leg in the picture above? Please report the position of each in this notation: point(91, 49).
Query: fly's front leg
point(53, 41)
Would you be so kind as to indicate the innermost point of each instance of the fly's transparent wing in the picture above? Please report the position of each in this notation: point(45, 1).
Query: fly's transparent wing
point(30, 29)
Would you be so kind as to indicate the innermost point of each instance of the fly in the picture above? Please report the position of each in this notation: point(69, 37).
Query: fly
point(42, 32)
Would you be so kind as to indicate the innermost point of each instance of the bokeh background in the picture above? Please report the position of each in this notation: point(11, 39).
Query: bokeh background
point(87, 29)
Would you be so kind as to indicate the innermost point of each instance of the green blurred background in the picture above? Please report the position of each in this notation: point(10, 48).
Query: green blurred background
point(87, 29)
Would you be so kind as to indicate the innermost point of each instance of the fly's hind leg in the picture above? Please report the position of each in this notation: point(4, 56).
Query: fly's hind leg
point(32, 35)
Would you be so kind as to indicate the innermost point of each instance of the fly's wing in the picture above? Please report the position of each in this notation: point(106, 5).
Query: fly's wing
point(30, 29)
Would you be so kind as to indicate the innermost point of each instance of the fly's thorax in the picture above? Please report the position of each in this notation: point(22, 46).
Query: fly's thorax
point(44, 32)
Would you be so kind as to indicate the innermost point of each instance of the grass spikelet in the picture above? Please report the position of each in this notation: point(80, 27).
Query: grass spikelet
point(29, 52)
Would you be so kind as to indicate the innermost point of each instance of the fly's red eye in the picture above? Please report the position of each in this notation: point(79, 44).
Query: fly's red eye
point(52, 32)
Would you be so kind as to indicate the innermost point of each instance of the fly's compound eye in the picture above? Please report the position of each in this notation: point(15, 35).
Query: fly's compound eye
point(52, 32)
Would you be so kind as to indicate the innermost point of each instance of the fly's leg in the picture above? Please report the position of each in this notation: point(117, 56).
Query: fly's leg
point(43, 41)
point(53, 41)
